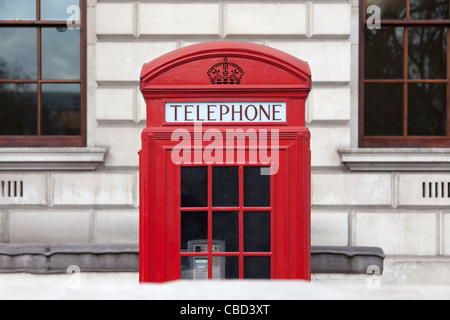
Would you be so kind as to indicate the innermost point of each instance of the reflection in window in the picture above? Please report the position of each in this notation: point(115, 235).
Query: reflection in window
point(17, 10)
point(383, 111)
point(427, 109)
point(427, 52)
point(57, 9)
point(429, 9)
point(384, 53)
point(60, 53)
point(18, 109)
point(391, 9)
point(61, 109)
point(18, 53)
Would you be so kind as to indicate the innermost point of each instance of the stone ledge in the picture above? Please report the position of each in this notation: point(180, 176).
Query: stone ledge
point(26, 159)
point(347, 260)
point(55, 259)
point(404, 159)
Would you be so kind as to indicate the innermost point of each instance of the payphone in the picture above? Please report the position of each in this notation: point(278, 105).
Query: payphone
point(196, 268)
point(219, 115)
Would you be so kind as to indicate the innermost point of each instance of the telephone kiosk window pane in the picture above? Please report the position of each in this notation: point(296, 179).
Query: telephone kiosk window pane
point(257, 268)
point(225, 186)
point(256, 187)
point(225, 227)
point(194, 187)
point(257, 232)
point(194, 226)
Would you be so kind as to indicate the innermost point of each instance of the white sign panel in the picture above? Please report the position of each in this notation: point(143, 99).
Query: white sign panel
point(240, 112)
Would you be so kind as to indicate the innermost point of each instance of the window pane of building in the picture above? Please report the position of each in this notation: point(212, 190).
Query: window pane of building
point(383, 53)
point(429, 9)
point(427, 109)
point(57, 9)
point(17, 10)
point(383, 109)
point(18, 109)
point(61, 109)
point(60, 54)
point(390, 9)
point(427, 53)
point(18, 53)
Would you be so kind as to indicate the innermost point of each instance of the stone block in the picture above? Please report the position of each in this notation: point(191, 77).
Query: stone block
point(351, 189)
point(329, 229)
point(330, 60)
point(325, 143)
point(115, 18)
point(115, 104)
point(331, 19)
point(265, 18)
point(123, 61)
point(330, 104)
point(98, 189)
point(116, 226)
point(398, 233)
point(52, 226)
point(23, 188)
point(179, 18)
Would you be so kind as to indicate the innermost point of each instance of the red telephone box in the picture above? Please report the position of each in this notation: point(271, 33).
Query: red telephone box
point(225, 167)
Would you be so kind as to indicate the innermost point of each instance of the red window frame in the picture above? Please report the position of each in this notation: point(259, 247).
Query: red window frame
point(41, 140)
point(241, 209)
point(405, 140)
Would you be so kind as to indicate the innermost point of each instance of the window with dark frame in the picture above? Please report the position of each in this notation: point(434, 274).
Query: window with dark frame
point(404, 74)
point(42, 73)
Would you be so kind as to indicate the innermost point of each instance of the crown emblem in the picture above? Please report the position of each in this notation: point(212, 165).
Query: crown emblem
point(225, 73)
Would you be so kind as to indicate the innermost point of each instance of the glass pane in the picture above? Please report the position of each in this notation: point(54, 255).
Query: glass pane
point(383, 109)
point(61, 109)
point(57, 9)
point(18, 53)
point(427, 53)
point(256, 187)
point(60, 54)
point(226, 228)
point(383, 53)
point(194, 187)
point(194, 268)
point(427, 109)
point(18, 109)
point(225, 268)
point(257, 235)
point(429, 9)
point(17, 10)
point(390, 9)
point(194, 232)
point(257, 268)
point(226, 187)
